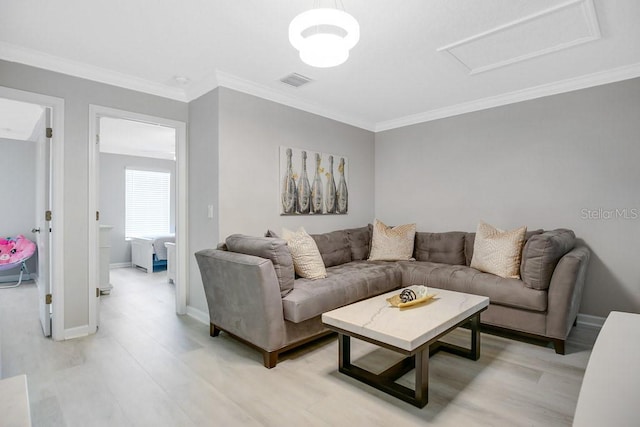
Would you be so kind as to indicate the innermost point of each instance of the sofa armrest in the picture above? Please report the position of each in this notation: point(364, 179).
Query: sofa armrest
point(565, 292)
point(243, 296)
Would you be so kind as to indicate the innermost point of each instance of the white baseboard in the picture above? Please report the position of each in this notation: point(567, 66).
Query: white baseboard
point(120, 265)
point(199, 315)
point(80, 331)
point(590, 321)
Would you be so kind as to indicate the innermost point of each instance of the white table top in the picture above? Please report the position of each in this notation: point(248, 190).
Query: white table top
point(14, 402)
point(611, 383)
point(407, 328)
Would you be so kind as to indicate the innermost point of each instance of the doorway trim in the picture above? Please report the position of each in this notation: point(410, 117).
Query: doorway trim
point(95, 113)
point(57, 203)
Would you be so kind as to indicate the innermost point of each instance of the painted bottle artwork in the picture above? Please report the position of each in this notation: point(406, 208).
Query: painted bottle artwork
point(342, 192)
point(330, 192)
point(316, 188)
point(304, 190)
point(289, 195)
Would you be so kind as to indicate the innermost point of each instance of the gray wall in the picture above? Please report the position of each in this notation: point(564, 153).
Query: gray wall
point(539, 163)
point(78, 94)
point(112, 196)
point(18, 192)
point(251, 131)
point(203, 187)
point(234, 141)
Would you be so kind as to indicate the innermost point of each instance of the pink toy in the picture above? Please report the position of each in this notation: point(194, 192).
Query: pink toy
point(14, 251)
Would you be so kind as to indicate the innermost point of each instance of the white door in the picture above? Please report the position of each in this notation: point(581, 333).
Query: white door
point(42, 230)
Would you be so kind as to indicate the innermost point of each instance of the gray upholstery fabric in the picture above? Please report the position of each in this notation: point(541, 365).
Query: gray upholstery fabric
point(470, 239)
point(541, 254)
point(222, 246)
point(334, 247)
point(508, 292)
point(360, 242)
point(447, 248)
point(243, 296)
point(344, 284)
point(565, 292)
point(270, 248)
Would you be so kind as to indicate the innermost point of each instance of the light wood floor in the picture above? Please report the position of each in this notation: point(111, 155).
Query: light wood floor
point(148, 367)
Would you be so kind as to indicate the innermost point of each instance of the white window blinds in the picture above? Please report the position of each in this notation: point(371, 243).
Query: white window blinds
point(147, 203)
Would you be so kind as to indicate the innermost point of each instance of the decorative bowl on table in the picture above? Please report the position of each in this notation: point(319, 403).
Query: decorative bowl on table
point(410, 296)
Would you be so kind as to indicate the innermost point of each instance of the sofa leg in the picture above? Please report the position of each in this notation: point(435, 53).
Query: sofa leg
point(575, 321)
point(559, 346)
point(213, 330)
point(270, 359)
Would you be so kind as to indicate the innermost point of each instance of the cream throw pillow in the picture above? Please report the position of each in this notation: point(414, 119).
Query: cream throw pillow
point(306, 257)
point(392, 244)
point(498, 252)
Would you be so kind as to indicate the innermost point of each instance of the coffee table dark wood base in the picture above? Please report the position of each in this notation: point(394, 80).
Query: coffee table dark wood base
point(417, 359)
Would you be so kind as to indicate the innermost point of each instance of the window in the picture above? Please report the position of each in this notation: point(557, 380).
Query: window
point(147, 203)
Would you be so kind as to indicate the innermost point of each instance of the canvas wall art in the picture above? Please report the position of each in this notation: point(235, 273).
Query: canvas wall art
point(313, 183)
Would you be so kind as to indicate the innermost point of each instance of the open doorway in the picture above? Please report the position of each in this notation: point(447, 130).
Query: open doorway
point(30, 238)
point(138, 174)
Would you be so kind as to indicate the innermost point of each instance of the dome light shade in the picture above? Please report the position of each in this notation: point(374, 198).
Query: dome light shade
point(310, 33)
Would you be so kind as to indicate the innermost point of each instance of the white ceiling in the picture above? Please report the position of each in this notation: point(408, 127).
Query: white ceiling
point(120, 136)
point(18, 120)
point(394, 76)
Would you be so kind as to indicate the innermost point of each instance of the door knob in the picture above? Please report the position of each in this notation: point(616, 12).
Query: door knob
point(35, 230)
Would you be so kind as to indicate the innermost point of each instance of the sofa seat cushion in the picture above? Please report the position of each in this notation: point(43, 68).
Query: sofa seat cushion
point(460, 278)
point(344, 284)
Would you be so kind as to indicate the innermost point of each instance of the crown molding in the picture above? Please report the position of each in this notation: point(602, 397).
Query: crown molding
point(241, 85)
point(200, 87)
point(38, 59)
point(13, 53)
point(568, 85)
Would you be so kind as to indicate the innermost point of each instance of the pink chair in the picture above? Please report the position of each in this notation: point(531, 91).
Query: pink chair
point(14, 251)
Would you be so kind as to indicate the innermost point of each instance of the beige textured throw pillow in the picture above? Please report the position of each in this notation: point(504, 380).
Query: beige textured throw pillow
point(498, 252)
point(306, 256)
point(392, 244)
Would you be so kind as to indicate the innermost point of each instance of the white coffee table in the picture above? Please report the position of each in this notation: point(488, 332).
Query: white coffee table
point(413, 332)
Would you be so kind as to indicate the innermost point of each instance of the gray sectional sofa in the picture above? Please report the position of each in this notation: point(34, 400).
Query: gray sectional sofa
point(253, 294)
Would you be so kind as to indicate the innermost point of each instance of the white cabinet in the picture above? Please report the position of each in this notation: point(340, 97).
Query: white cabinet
point(104, 240)
point(171, 261)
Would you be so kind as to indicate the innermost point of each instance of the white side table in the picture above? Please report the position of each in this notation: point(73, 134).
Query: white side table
point(611, 383)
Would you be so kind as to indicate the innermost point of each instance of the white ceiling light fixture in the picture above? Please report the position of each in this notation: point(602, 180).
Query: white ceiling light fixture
point(324, 36)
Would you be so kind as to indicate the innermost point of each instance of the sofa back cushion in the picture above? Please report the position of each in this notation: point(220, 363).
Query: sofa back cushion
point(334, 247)
point(445, 248)
point(470, 239)
point(541, 254)
point(360, 242)
point(270, 248)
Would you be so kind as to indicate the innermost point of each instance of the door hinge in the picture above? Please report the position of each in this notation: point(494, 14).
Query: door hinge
point(47, 216)
point(97, 292)
point(98, 139)
point(49, 133)
point(97, 215)
point(47, 299)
